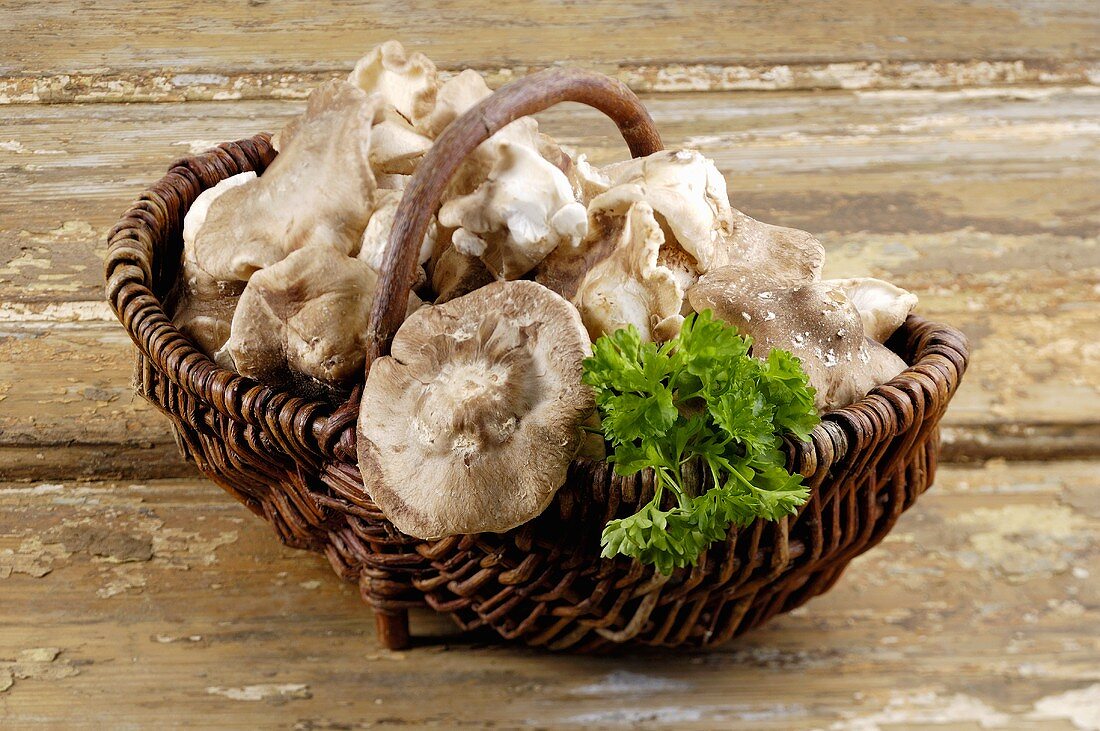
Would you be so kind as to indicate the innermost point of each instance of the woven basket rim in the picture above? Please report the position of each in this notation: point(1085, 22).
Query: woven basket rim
point(131, 271)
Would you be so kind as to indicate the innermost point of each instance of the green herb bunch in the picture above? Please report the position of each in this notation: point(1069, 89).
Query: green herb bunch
point(699, 396)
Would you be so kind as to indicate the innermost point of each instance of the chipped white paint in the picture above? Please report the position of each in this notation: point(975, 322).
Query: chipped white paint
point(924, 708)
point(169, 639)
point(626, 682)
point(263, 692)
point(1081, 707)
point(163, 86)
point(195, 147)
point(59, 312)
point(32, 557)
point(17, 147)
point(122, 579)
point(36, 663)
point(630, 717)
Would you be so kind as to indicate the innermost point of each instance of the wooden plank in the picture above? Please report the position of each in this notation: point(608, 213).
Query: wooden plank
point(304, 35)
point(1016, 164)
point(164, 604)
point(163, 85)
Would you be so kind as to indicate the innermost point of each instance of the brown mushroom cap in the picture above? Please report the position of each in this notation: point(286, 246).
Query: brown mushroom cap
point(318, 191)
point(470, 424)
point(202, 308)
point(816, 322)
point(454, 274)
point(302, 322)
point(783, 256)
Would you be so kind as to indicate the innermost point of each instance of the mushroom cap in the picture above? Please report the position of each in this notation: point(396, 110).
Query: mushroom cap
point(469, 425)
point(318, 191)
point(396, 147)
point(882, 306)
point(686, 192)
point(588, 181)
point(202, 308)
point(632, 284)
point(454, 274)
point(816, 322)
point(522, 211)
point(407, 82)
point(454, 97)
point(196, 214)
point(377, 234)
point(783, 256)
point(302, 322)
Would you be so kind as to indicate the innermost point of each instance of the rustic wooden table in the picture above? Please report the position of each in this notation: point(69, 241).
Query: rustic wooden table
point(951, 147)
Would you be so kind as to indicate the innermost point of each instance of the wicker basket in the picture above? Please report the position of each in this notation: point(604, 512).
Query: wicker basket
point(292, 461)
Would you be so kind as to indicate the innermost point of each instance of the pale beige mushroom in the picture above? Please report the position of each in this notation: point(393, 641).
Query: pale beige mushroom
point(471, 422)
point(522, 211)
point(202, 307)
point(302, 322)
point(588, 181)
point(882, 306)
point(684, 195)
point(686, 192)
point(407, 82)
point(318, 191)
point(453, 99)
point(196, 214)
point(816, 322)
point(457, 96)
point(396, 147)
point(630, 285)
point(377, 233)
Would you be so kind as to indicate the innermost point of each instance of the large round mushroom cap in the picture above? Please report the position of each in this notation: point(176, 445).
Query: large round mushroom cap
point(469, 425)
point(816, 322)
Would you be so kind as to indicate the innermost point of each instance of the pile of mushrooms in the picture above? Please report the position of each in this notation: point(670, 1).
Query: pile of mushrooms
point(532, 254)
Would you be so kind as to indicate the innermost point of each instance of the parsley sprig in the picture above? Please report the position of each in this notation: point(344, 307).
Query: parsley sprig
point(701, 396)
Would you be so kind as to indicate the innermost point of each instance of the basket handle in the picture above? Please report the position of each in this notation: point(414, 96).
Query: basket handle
point(522, 97)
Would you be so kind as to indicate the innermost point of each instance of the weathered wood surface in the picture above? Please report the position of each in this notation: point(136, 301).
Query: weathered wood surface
point(176, 49)
point(982, 201)
point(167, 605)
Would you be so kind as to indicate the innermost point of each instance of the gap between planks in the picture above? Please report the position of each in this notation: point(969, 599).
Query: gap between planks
point(169, 85)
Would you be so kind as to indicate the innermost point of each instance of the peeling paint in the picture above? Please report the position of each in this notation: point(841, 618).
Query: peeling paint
point(1080, 707)
point(165, 86)
point(925, 708)
point(36, 663)
point(33, 558)
point(263, 692)
point(625, 682)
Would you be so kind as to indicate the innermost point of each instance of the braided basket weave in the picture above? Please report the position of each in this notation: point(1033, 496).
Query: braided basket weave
point(292, 461)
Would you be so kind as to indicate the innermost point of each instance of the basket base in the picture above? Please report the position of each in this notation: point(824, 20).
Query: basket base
point(392, 628)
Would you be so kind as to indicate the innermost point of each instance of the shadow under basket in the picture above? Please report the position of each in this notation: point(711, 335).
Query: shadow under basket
point(292, 461)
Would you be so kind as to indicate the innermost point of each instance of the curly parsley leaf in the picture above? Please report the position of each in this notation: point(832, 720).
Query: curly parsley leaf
point(701, 397)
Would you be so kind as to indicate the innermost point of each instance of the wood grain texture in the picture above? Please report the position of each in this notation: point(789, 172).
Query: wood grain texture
point(982, 201)
point(212, 36)
point(167, 86)
point(1020, 165)
point(167, 604)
